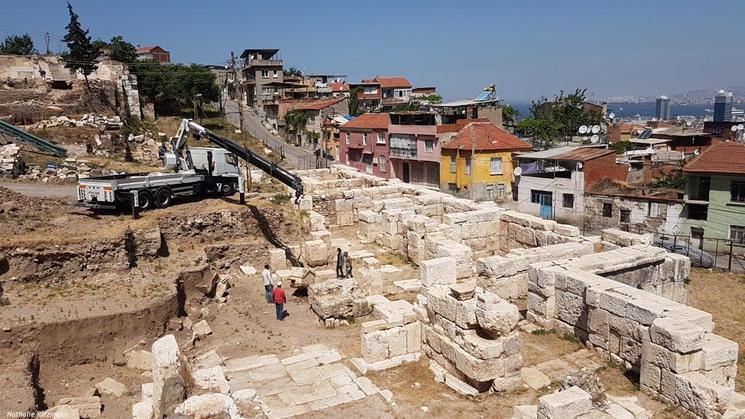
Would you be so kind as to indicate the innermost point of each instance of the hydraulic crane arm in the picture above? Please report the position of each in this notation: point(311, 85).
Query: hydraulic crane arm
point(277, 172)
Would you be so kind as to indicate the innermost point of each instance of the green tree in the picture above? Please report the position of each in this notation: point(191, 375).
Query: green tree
point(172, 87)
point(122, 50)
point(559, 118)
point(355, 107)
point(296, 122)
point(431, 99)
point(292, 71)
point(18, 45)
point(83, 54)
point(509, 115)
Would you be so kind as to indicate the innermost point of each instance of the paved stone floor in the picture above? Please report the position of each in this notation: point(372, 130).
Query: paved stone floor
point(541, 375)
point(313, 379)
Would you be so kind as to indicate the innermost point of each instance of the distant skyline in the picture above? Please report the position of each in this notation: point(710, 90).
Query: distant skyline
point(528, 49)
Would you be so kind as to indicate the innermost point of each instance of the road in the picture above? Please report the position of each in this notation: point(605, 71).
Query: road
point(43, 190)
point(295, 157)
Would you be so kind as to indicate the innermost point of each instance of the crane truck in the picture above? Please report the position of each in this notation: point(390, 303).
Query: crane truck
point(196, 172)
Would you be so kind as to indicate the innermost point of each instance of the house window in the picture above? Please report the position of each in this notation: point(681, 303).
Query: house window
point(382, 162)
point(737, 191)
point(346, 138)
point(468, 165)
point(567, 200)
point(429, 146)
point(698, 211)
point(265, 74)
point(490, 191)
point(737, 234)
point(453, 164)
point(452, 187)
point(500, 191)
point(625, 216)
point(607, 210)
point(364, 139)
point(496, 166)
point(540, 197)
point(276, 74)
point(380, 139)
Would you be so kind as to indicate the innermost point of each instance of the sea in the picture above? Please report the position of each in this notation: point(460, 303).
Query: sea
point(644, 109)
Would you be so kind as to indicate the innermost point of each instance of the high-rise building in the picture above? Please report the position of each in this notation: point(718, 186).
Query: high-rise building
point(723, 106)
point(663, 108)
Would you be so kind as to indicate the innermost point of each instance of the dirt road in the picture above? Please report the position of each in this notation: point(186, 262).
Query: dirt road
point(42, 190)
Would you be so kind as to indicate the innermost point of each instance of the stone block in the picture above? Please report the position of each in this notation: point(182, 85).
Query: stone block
point(277, 259)
point(169, 387)
point(375, 346)
point(494, 315)
point(465, 314)
point(571, 309)
point(413, 337)
point(211, 379)
point(315, 252)
point(438, 271)
point(396, 337)
point(139, 359)
point(525, 412)
point(701, 396)
point(677, 335)
point(111, 387)
point(534, 378)
point(570, 403)
point(480, 347)
point(718, 352)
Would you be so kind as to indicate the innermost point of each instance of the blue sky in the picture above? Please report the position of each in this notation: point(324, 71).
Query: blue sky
point(528, 48)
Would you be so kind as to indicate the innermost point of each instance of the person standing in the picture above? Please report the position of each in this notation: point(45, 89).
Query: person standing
point(347, 265)
point(339, 264)
point(266, 275)
point(279, 300)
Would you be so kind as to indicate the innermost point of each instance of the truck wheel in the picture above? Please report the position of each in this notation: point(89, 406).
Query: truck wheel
point(226, 189)
point(163, 198)
point(145, 200)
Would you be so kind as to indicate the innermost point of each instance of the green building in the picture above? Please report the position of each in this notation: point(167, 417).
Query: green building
point(715, 195)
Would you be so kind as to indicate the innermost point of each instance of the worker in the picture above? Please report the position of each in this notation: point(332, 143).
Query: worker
point(347, 265)
point(266, 275)
point(339, 263)
point(279, 300)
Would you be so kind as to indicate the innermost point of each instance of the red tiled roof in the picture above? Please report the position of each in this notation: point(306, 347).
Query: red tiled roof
point(339, 87)
point(720, 157)
point(142, 50)
point(488, 137)
point(314, 105)
point(369, 121)
point(390, 82)
point(458, 125)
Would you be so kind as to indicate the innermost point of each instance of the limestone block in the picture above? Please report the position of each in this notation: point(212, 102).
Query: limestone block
point(701, 396)
point(670, 360)
point(140, 410)
point(109, 386)
point(677, 335)
point(315, 252)
point(413, 337)
point(139, 359)
point(169, 388)
point(465, 314)
point(324, 236)
point(375, 346)
point(277, 259)
point(371, 262)
point(396, 337)
point(570, 403)
point(480, 347)
point(566, 230)
point(438, 271)
point(718, 352)
point(338, 298)
point(209, 405)
point(570, 308)
point(495, 315)
point(478, 369)
point(525, 412)
point(649, 377)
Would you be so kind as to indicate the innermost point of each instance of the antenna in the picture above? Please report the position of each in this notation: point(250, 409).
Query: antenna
point(595, 129)
point(595, 138)
point(518, 171)
point(583, 129)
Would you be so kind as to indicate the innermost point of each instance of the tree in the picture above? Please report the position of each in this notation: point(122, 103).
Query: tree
point(292, 71)
point(558, 118)
point(83, 54)
point(509, 115)
point(122, 50)
point(296, 122)
point(431, 99)
point(18, 45)
point(355, 107)
point(172, 87)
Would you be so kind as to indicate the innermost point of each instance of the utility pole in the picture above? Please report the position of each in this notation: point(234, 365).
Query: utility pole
point(46, 40)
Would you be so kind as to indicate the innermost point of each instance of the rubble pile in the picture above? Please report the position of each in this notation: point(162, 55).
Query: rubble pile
point(68, 172)
point(89, 120)
point(11, 164)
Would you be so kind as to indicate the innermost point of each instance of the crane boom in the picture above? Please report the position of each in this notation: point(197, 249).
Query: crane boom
point(277, 172)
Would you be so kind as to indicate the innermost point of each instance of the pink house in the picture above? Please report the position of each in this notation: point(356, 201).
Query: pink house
point(414, 148)
point(363, 144)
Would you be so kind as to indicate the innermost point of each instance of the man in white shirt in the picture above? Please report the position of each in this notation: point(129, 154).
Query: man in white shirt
point(266, 275)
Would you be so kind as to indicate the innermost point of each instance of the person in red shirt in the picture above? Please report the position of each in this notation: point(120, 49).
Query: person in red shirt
point(279, 300)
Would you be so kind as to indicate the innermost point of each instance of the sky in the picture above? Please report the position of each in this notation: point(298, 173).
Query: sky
point(529, 49)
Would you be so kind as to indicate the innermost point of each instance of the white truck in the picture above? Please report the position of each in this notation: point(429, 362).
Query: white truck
point(197, 172)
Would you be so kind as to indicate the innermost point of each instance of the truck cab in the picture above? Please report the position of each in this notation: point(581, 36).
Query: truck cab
point(223, 161)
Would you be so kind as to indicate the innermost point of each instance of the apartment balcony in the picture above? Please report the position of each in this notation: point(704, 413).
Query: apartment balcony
point(403, 153)
point(263, 63)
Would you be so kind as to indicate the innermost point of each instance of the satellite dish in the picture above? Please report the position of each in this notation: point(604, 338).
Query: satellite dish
point(583, 129)
point(733, 128)
point(518, 171)
point(595, 138)
point(611, 115)
point(740, 127)
point(595, 129)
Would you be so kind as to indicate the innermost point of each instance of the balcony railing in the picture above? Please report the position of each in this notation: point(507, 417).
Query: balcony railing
point(257, 62)
point(403, 153)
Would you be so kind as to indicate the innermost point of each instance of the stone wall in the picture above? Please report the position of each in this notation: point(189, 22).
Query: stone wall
point(669, 344)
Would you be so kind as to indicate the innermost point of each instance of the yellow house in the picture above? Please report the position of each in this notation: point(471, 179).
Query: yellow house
point(477, 160)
